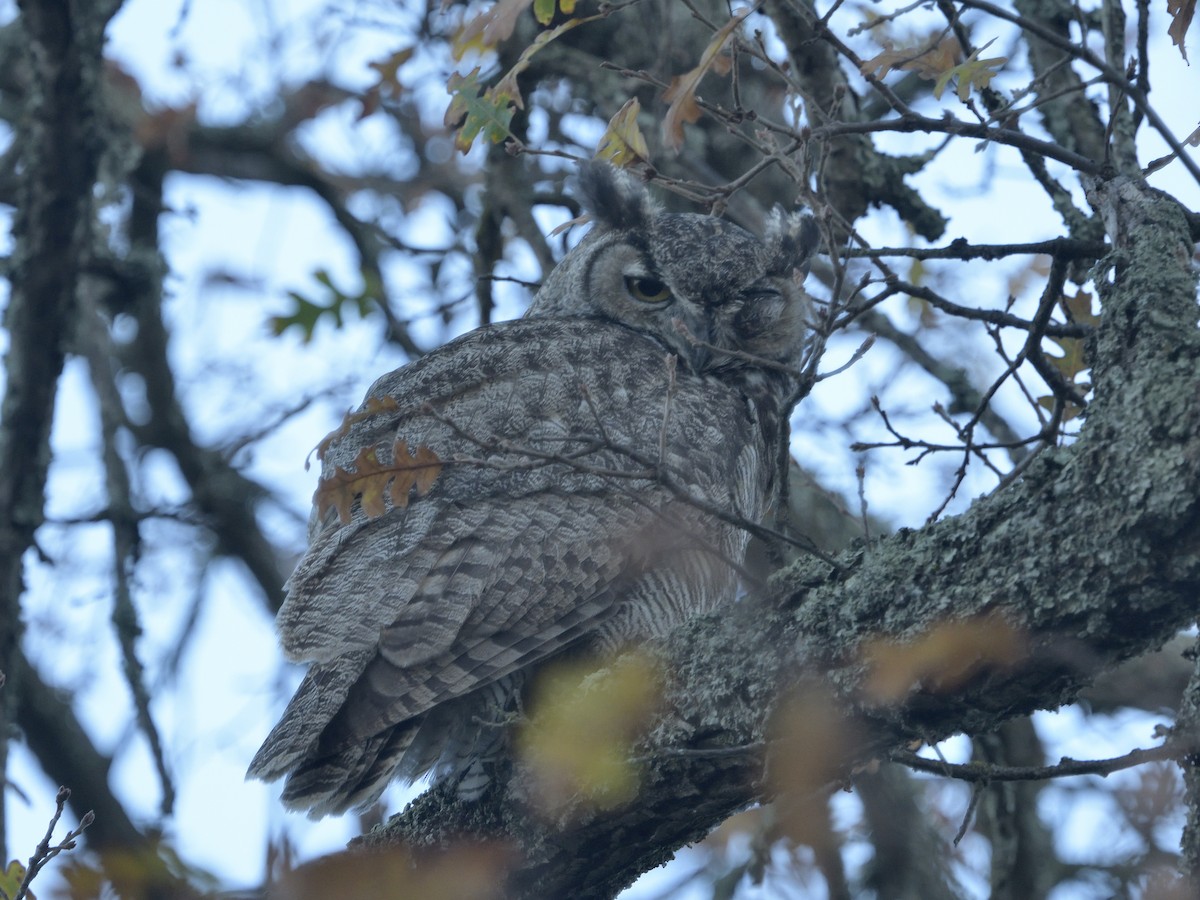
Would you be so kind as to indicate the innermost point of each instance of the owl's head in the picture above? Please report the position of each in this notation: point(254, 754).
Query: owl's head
point(714, 294)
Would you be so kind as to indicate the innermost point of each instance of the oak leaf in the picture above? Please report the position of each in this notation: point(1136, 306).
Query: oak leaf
point(973, 71)
point(372, 407)
point(930, 60)
point(474, 111)
point(372, 477)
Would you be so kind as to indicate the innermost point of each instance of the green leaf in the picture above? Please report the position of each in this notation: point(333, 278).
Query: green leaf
point(474, 111)
point(307, 312)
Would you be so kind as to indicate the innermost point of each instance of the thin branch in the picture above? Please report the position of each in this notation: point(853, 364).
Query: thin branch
point(977, 773)
point(45, 852)
point(962, 249)
point(93, 335)
point(1115, 77)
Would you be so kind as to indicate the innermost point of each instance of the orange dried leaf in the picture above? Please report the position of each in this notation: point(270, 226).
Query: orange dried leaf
point(422, 467)
point(372, 407)
point(371, 477)
point(943, 659)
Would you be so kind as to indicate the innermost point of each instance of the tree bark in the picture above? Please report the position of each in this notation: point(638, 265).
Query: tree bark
point(61, 148)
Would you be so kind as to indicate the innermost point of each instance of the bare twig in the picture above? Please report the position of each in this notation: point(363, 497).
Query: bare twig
point(45, 852)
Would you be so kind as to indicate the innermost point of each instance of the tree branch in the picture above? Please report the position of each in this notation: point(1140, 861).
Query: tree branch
point(1110, 586)
point(61, 150)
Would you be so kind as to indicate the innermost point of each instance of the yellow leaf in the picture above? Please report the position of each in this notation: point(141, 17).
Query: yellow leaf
point(622, 143)
point(11, 880)
point(681, 94)
point(582, 726)
point(487, 29)
point(973, 71)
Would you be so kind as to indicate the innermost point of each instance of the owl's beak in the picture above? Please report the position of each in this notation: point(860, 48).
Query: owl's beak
point(695, 340)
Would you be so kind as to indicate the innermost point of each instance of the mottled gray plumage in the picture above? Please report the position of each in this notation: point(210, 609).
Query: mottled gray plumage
point(584, 449)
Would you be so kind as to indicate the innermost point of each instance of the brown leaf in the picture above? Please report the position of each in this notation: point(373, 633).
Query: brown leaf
point(1181, 12)
point(681, 94)
point(372, 407)
point(1079, 308)
point(462, 871)
point(930, 60)
point(941, 660)
point(1073, 361)
point(388, 84)
point(810, 742)
point(371, 477)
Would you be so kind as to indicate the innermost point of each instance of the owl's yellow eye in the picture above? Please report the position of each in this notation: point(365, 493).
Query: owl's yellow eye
point(648, 290)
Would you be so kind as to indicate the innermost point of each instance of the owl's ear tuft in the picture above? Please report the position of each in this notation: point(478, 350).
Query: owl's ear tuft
point(791, 239)
point(615, 198)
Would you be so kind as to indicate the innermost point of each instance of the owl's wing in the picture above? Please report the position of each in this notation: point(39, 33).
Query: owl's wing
point(540, 518)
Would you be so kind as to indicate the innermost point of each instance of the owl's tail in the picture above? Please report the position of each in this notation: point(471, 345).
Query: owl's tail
point(326, 772)
point(354, 777)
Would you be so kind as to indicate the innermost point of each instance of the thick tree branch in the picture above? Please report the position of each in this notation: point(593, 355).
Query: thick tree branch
point(61, 149)
point(1084, 595)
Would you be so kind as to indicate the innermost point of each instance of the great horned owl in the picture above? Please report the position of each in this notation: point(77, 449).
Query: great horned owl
point(572, 480)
